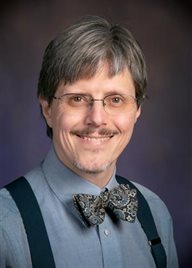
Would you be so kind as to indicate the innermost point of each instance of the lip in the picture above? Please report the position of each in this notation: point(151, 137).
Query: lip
point(94, 140)
point(95, 137)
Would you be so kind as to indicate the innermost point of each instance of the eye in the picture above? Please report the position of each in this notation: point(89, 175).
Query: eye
point(115, 100)
point(76, 100)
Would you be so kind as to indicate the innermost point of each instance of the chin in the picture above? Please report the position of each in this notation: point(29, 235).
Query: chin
point(92, 169)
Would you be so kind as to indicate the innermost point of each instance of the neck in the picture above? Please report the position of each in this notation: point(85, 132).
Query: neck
point(100, 179)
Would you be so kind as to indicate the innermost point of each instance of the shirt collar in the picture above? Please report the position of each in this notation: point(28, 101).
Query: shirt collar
point(64, 182)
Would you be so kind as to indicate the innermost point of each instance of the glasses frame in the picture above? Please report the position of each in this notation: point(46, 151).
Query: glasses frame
point(90, 100)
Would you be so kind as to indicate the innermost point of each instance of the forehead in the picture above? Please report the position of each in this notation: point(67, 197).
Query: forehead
point(101, 83)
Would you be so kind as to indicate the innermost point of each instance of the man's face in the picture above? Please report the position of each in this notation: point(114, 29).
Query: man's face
point(90, 142)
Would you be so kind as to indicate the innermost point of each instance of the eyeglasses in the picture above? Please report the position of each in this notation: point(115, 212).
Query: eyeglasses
point(82, 103)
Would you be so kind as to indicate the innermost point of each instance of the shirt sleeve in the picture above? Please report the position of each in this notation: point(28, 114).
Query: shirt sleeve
point(172, 259)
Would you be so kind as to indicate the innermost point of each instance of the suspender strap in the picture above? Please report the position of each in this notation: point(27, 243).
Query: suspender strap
point(41, 253)
point(145, 217)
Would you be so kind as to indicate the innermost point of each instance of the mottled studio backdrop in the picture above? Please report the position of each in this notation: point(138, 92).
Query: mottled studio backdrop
point(159, 154)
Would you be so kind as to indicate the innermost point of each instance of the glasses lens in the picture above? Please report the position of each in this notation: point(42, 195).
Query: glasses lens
point(74, 103)
point(115, 104)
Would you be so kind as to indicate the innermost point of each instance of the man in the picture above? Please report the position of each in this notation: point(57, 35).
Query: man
point(91, 86)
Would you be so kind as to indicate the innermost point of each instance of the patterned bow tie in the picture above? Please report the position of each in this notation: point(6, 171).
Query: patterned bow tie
point(121, 201)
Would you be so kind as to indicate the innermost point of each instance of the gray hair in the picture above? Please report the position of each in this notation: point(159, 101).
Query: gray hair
point(80, 50)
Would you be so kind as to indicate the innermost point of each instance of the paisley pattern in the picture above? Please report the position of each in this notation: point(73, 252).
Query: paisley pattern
point(121, 200)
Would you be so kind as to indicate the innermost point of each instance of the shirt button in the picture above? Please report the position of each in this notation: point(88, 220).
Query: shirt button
point(106, 232)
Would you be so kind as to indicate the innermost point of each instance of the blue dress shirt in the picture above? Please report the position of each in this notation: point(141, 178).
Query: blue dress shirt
point(111, 244)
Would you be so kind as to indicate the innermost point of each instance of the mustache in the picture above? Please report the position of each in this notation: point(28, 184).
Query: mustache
point(101, 132)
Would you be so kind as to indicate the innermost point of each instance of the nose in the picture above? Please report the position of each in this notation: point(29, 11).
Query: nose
point(96, 115)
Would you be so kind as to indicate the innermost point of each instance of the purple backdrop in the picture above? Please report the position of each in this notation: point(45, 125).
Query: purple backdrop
point(159, 154)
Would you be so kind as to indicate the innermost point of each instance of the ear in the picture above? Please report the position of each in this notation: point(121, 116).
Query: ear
point(46, 111)
point(138, 113)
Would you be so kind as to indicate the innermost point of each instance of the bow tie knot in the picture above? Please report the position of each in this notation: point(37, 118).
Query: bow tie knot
point(121, 201)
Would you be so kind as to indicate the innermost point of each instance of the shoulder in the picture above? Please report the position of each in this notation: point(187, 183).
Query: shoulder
point(9, 212)
point(11, 225)
point(156, 204)
point(10, 219)
point(8, 206)
point(14, 245)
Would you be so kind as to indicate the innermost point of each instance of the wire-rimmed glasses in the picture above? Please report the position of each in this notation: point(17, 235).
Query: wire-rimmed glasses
point(82, 103)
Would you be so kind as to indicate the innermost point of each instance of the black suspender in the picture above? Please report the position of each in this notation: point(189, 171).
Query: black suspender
point(145, 217)
point(41, 253)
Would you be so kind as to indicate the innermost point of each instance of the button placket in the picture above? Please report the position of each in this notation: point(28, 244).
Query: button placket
point(106, 232)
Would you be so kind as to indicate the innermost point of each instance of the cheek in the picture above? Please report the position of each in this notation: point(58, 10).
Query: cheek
point(63, 122)
point(62, 126)
point(125, 124)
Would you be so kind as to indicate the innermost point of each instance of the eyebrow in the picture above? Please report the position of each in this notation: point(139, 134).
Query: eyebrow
point(110, 92)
